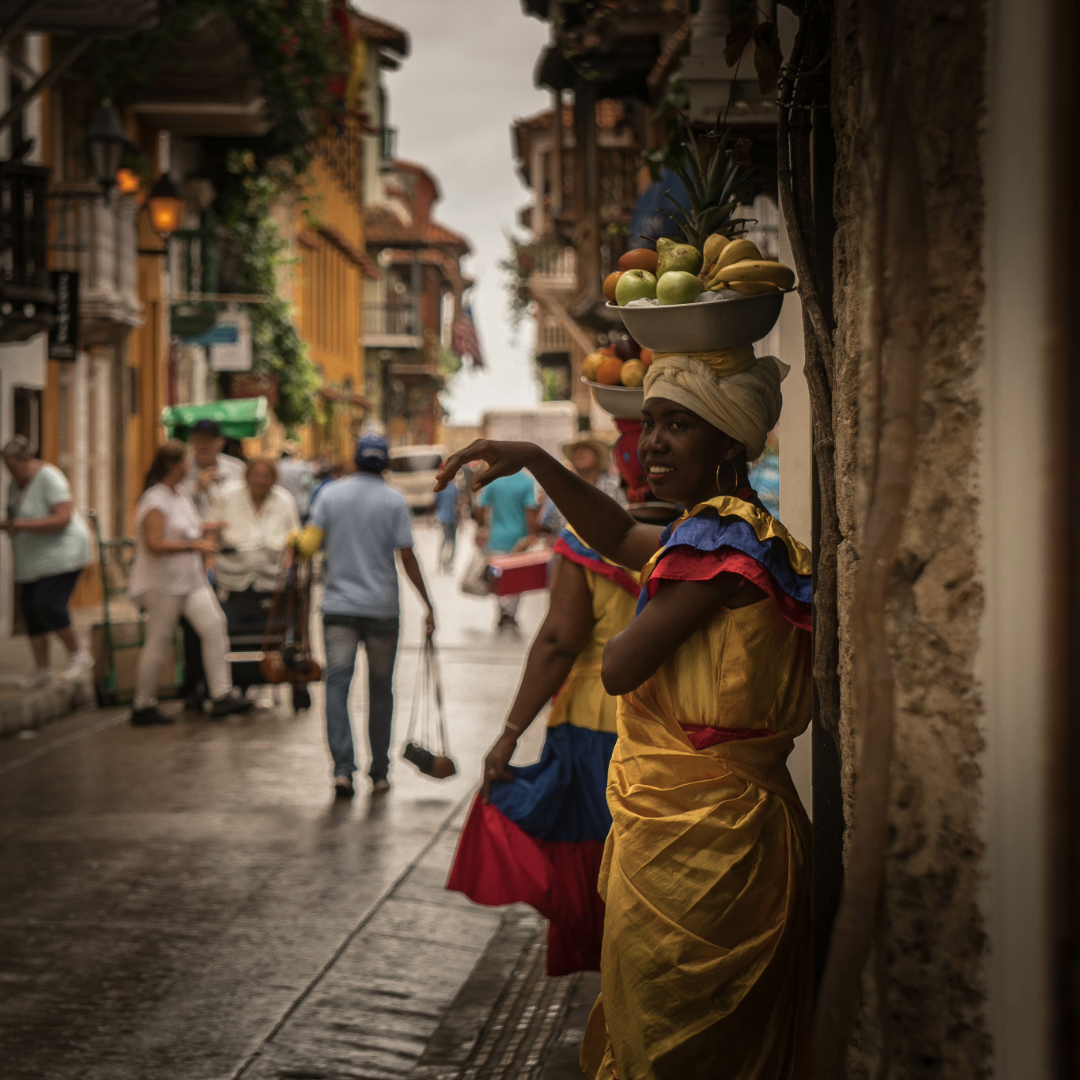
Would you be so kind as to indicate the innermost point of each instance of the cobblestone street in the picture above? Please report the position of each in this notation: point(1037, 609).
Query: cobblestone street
point(189, 903)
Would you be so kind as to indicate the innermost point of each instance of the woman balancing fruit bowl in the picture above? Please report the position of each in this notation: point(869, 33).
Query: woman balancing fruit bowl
point(705, 964)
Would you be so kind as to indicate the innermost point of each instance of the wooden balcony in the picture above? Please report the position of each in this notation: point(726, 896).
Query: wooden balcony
point(392, 326)
point(556, 271)
point(26, 298)
point(98, 237)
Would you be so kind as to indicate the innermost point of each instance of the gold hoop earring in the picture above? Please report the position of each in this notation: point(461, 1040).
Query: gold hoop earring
point(719, 486)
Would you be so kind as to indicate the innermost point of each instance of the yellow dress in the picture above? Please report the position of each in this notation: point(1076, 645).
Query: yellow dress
point(705, 966)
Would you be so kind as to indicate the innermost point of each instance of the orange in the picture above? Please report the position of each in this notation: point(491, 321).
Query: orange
point(610, 371)
point(646, 357)
point(609, 285)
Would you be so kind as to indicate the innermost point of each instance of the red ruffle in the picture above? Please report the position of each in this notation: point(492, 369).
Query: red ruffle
point(598, 566)
point(689, 564)
point(499, 863)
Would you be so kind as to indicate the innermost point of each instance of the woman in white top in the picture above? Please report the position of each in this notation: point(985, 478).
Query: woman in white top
point(169, 580)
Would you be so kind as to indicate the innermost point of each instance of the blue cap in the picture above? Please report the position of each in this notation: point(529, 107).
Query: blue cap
point(372, 453)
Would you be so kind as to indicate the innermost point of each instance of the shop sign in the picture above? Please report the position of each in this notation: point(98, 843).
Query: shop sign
point(64, 333)
point(230, 342)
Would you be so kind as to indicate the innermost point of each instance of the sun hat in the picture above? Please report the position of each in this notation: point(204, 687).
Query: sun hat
point(603, 451)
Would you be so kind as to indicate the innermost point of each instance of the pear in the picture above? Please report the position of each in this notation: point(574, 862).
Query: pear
point(673, 256)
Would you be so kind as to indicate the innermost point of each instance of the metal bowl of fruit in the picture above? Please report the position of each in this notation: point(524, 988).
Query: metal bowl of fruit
point(622, 402)
point(703, 327)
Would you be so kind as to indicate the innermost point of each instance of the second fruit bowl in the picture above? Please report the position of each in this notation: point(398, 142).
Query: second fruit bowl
point(702, 327)
point(622, 402)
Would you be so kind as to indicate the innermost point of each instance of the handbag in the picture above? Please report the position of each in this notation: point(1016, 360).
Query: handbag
point(475, 581)
point(292, 663)
point(426, 744)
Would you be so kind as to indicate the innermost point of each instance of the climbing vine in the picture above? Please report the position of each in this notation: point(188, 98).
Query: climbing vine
point(245, 198)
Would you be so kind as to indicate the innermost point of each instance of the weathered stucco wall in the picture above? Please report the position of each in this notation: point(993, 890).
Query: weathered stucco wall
point(931, 958)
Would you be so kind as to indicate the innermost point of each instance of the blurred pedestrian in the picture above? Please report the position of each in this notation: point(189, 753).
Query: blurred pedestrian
point(327, 474)
point(256, 518)
point(210, 468)
point(448, 513)
point(296, 477)
point(168, 579)
point(506, 510)
point(50, 544)
point(361, 521)
point(590, 458)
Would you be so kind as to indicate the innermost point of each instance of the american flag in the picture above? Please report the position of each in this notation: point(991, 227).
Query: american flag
point(465, 342)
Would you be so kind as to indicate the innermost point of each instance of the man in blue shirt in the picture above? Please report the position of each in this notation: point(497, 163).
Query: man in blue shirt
point(361, 521)
point(507, 509)
point(447, 503)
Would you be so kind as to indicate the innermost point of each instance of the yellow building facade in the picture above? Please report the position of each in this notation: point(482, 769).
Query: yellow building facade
point(328, 289)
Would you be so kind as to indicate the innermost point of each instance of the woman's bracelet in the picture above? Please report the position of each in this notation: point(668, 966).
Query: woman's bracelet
point(513, 727)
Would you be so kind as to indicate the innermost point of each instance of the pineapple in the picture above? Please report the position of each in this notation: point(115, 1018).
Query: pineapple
point(711, 186)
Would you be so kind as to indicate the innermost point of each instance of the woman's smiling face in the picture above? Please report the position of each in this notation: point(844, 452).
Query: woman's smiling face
point(681, 453)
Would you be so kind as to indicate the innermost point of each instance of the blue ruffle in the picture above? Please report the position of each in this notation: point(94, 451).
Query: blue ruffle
point(563, 796)
point(708, 533)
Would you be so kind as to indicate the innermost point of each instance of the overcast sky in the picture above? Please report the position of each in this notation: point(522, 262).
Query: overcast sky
point(467, 77)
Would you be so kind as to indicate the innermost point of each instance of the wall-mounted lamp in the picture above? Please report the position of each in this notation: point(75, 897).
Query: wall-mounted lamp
point(106, 142)
point(166, 207)
point(166, 212)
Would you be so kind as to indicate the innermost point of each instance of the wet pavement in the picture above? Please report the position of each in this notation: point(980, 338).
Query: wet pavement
point(189, 903)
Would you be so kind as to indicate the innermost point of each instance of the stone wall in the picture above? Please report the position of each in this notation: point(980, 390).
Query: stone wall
point(930, 960)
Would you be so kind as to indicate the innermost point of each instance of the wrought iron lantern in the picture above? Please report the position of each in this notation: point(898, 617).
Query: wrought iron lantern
point(106, 141)
point(166, 207)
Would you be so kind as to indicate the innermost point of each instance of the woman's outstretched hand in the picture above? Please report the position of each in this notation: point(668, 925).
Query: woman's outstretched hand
point(503, 459)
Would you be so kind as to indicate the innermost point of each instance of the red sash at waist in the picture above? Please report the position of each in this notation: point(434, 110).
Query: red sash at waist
point(700, 736)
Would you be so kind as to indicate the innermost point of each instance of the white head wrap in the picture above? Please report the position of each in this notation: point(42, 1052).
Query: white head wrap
point(733, 390)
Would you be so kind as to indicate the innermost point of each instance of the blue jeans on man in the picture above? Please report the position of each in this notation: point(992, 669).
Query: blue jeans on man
point(343, 635)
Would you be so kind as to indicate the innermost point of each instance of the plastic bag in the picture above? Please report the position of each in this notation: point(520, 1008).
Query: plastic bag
point(426, 744)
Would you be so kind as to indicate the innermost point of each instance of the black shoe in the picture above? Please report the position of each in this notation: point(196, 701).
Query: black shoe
point(343, 787)
point(149, 717)
point(194, 702)
point(230, 703)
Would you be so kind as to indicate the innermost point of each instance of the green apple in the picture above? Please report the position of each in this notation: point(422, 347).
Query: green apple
point(635, 285)
point(672, 256)
point(678, 287)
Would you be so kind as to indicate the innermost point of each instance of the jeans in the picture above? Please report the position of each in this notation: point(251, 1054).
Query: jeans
point(343, 634)
point(203, 611)
point(449, 539)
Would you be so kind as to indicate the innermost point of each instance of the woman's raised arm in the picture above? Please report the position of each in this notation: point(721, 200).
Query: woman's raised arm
point(599, 520)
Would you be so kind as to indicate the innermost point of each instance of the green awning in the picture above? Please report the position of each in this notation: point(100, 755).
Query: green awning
point(238, 418)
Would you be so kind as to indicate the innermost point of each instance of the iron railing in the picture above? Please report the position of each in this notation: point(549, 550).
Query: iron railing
point(396, 319)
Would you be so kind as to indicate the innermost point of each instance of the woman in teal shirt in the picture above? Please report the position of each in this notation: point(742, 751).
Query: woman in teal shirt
point(51, 545)
point(509, 514)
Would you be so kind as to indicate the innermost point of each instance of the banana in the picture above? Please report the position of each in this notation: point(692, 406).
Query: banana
point(753, 288)
point(759, 270)
point(712, 247)
point(736, 251)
